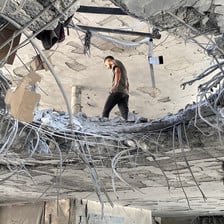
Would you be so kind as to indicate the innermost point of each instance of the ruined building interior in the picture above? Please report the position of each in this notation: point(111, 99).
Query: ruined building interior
point(167, 159)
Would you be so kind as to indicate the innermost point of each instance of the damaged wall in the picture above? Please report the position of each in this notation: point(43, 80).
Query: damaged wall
point(72, 211)
point(25, 11)
point(112, 161)
point(205, 15)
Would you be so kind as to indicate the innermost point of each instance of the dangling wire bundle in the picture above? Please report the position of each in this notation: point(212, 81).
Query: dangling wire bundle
point(87, 42)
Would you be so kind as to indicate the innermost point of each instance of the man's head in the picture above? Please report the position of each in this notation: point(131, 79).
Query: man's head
point(108, 61)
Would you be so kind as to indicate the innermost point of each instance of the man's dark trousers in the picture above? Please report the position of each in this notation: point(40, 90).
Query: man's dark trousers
point(117, 98)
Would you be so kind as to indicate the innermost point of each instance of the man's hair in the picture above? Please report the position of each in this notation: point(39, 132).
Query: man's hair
point(108, 57)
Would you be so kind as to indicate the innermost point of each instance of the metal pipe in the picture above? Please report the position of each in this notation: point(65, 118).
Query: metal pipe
point(152, 74)
point(119, 31)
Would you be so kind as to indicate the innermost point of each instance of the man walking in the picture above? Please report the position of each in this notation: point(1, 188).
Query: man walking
point(119, 92)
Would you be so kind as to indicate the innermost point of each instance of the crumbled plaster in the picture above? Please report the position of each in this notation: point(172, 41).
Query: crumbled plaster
point(44, 164)
point(36, 170)
point(204, 15)
point(24, 11)
point(154, 11)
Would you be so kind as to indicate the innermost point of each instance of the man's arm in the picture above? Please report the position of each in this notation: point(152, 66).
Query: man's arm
point(117, 77)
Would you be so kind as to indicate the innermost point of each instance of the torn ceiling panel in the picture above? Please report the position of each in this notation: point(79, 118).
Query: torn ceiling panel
point(205, 15)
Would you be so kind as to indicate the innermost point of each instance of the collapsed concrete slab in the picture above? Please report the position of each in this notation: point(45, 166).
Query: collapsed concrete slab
point(180, 17)
point(72, 211)
point(49, 157)
point(198, 13)
point(42, 13)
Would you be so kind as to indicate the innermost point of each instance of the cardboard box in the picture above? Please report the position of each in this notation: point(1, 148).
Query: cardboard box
point(23, 99)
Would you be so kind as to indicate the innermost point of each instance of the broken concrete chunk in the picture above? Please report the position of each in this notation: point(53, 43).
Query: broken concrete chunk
point(78, 49)
point(8, 32)
point(32, 78)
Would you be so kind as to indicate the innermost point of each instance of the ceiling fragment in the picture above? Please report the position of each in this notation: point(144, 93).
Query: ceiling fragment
point(206, 16)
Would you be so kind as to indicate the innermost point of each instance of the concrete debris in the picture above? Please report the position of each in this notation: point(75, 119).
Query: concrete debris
point(153, 92)
point(137, 154)
point(37, 63)
point(24, 11)
point(50, 148)
point(56, 121)
point(205, 16)
point(59, 122)
point(8, 32)
point(76, 66)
